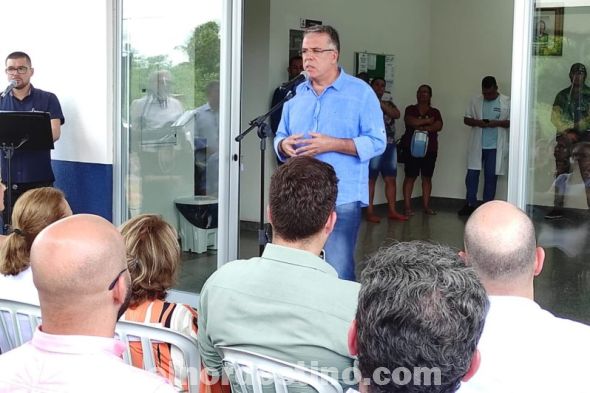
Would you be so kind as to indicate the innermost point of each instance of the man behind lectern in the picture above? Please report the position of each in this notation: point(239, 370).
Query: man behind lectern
point(29, 168)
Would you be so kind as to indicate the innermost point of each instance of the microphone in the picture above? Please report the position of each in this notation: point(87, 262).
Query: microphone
point(10, 86)
point(295, 81)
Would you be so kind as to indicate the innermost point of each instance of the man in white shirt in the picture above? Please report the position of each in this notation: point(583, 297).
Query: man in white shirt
point(523, 347)
point(80, 270)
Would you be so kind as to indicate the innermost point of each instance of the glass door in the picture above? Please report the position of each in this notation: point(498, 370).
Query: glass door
point(550, 150)
point(170, 77)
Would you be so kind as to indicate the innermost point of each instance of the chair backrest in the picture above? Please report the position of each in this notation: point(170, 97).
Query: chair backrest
point(18, 321)
point(252, 372)
point(149, 336)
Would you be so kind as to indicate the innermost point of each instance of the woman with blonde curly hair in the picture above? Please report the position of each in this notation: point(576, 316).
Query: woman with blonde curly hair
point(153, 260)
point(33, 211)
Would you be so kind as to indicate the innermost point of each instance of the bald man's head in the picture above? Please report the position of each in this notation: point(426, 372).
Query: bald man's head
point(74, 260)
point(500, 242)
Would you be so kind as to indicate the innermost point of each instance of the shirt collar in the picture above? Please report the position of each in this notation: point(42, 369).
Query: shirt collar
point(504, 300)
point(28, 95)
point(74, 344)
point(294, 256)
point(337, 84)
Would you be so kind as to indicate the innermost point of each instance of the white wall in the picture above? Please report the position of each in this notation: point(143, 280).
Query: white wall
point(70, 58)
point(470, 39)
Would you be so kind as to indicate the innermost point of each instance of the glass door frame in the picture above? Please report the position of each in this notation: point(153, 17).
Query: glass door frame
point(518, 174)
point(230, 119)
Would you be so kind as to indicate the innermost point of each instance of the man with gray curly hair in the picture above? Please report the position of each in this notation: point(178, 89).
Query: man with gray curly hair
point(525, 348)
point(420, 314)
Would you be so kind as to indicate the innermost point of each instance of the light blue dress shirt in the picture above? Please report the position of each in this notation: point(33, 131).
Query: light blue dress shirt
point(348, 108)
point(491, 111)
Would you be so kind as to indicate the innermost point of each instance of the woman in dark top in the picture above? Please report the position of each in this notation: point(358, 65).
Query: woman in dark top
point(421, 117)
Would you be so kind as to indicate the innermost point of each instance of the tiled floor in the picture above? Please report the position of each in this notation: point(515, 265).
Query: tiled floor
point(563, 287)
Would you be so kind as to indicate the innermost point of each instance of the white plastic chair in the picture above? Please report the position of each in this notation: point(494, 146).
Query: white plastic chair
point(18, 321)
point(248, 369)
point(149, 335)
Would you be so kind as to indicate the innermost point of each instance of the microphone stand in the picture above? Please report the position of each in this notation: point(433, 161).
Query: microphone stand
point(260, 123)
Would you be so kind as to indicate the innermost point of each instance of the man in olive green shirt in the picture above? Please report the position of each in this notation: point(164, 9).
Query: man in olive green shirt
point(288, 304)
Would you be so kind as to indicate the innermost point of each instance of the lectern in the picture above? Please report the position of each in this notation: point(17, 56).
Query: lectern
point(22, 131)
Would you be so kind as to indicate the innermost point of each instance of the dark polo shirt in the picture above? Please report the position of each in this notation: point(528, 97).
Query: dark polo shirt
point(30, 166)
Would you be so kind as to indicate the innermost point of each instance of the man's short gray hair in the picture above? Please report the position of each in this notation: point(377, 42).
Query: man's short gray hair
point(419, 306)
point(325, 29)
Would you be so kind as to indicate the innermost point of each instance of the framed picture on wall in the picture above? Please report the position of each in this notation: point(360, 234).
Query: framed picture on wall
point(548, 32)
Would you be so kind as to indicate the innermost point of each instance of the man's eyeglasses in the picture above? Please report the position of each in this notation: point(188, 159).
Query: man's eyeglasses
point(314, 51)
point(115, 280)
point(18, 70)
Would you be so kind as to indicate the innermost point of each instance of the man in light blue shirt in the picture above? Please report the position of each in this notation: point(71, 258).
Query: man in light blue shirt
point(336, 118)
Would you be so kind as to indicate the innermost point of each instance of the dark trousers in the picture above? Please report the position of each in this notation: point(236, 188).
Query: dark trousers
point(488, 158)
point(17, 190)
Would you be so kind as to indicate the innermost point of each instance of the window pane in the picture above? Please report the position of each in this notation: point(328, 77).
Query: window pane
point(560, 157)
point(171, 122)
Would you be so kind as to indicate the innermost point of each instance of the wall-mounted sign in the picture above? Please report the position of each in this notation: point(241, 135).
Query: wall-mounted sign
point(303, 23)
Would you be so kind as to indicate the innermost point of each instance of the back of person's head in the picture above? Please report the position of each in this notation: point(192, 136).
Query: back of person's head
point(302, 196)
point(33, 211)
point(421, 310)
point(153, 257)
point(80, 271)
point(488, 82)
point(500, 243)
